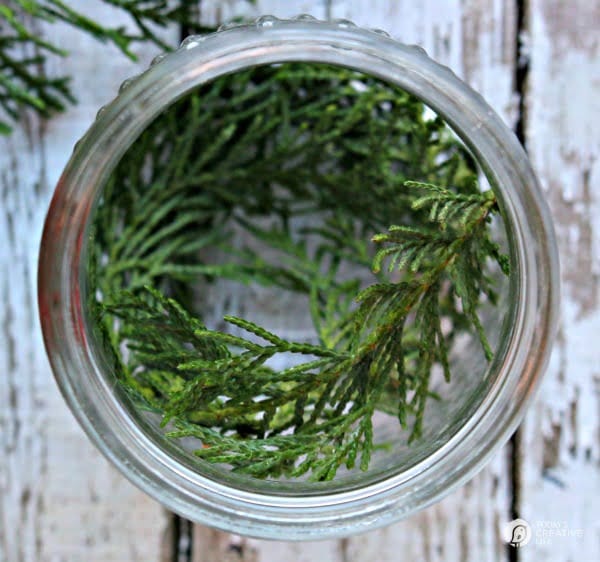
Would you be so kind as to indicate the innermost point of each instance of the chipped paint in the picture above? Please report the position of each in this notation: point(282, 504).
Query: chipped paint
point(562, 430)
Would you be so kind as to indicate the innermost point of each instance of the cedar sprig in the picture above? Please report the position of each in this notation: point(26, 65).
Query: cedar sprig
point(328, 399)
point(257, 154)
point(24, 49)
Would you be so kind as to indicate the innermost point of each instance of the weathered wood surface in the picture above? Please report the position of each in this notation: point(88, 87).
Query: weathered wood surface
point(560, 456)
point(59, 499)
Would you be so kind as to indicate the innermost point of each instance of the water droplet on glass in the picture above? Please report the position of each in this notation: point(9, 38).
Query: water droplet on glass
point(158, 58)
point(305, 17)
point(126, 84)
point(382, 32)
point(344, 23)
point(191, 41)
point(419, 49)
point(266, 21)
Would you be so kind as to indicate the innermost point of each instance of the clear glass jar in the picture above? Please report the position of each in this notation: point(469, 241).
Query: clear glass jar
point(454, 448)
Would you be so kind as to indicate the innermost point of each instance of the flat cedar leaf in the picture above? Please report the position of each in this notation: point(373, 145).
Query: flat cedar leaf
point(382, 254)
point(398, 231)
point(427, 200)
point(426, 186)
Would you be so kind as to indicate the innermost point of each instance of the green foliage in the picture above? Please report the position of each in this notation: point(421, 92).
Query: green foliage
point(294, 174)
point(23, 50)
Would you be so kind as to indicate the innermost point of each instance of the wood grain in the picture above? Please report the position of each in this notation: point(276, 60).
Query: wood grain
point(561, 449)
point(59, 499)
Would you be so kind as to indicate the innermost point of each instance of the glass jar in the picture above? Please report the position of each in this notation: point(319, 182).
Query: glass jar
point(454, 449)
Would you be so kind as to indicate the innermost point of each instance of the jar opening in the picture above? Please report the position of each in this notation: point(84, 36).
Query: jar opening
point(270, 511)
point(261, 195)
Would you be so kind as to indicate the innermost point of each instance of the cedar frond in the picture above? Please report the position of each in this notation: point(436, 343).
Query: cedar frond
point(274, 146)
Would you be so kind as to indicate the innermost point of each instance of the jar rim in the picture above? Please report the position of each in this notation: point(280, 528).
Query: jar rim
point(62, 298)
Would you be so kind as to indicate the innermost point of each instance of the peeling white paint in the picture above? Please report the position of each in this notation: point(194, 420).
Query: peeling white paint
point(59, 499)
point(561, 453)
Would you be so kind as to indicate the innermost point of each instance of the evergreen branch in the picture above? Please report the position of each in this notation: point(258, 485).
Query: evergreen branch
point(273, 145)
point(23, 52)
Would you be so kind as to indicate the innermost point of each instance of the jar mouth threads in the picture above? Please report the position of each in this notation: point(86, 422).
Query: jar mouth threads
point(125, 440)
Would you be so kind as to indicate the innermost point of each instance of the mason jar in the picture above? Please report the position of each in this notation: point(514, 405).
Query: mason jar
point(481, 408)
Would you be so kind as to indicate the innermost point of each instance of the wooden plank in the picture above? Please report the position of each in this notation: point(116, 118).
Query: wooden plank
point(59, 499)
point(476, 39)
point(561, 449)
